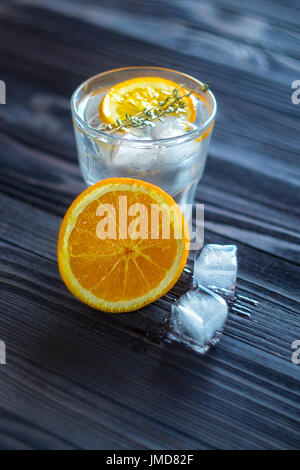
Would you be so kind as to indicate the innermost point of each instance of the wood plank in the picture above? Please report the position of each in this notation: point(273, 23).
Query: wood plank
point(234, 161)
point(43, 313)
point(40, 238)
point(52, 183)
point(18, 433)
point(80, 57)
point(206, 30)
point(78, 378)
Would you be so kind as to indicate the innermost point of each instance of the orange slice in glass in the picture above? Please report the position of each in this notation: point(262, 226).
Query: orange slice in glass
point(123, 243)
point(133, 96)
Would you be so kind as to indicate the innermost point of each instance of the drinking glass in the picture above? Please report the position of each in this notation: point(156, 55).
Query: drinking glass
point(173, 162)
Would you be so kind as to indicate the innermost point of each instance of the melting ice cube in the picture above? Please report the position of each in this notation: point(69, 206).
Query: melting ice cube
point(216, 267)
point(197, 319)
point(126, 154)
point(171, 126)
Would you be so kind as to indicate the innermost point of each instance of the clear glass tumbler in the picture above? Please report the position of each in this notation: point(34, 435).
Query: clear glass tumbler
point(174, 163)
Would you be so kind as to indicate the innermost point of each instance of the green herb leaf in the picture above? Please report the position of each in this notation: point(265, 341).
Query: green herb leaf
point(172, 104)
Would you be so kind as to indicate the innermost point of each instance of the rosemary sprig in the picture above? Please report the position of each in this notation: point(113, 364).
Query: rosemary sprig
point(172, 104)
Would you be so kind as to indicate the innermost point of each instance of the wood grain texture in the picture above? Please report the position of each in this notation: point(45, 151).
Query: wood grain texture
point(76, 378)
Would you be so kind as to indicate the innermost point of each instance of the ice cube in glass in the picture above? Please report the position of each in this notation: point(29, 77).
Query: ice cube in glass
point(170, 153)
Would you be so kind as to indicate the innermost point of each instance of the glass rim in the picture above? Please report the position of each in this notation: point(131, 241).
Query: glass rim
point(97, 134)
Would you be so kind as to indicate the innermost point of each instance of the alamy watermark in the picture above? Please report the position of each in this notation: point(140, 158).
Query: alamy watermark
point(296, 94)
point(2, 92)
point(296, 354)
point(2, 353)
point(155, 221)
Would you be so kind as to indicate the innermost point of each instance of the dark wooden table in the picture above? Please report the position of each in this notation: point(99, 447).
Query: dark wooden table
point(78, 378)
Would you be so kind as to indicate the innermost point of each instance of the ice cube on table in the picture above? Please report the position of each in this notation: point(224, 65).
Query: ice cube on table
point(197, 319)
point(216, 267)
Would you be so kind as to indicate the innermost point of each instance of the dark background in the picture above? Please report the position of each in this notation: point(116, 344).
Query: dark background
point(77, 378)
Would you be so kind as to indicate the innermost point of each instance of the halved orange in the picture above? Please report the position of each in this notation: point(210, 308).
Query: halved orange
point(134, 95)
point(117, 257)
